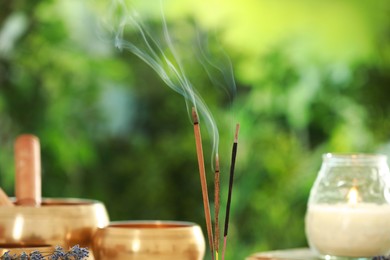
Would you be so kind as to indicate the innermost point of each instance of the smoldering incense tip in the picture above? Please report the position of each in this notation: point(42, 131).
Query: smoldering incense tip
point(216, 163)
point(236, 134)
point(195, 116)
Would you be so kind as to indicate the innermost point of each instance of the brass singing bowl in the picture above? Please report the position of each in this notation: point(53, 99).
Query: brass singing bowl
point(57, 222)
point(145, 240)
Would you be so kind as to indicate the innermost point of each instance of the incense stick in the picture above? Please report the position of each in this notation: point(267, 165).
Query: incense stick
point(202, 173)
point(216, 207)
point(231, 178)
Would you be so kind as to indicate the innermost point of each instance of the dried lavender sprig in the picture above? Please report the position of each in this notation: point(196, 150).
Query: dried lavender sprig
point(75, 253)
point(7, 256)
point(78, 252)
point(57, 254)
point(23, 256)
point(36, 255)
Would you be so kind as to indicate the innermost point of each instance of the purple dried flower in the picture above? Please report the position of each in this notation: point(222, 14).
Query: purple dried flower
point(58, 254)
point(79, 252)
point(23, 256)
point(75, 253)
point(36, 255)
point(6, 256)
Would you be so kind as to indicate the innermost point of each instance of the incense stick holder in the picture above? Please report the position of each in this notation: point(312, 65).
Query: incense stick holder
point(145, 240)
point(62, 222)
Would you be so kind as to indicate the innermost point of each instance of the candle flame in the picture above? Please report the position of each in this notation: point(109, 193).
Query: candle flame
point(353, 196)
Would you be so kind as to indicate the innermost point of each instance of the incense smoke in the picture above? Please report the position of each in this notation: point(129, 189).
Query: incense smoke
point(164, 59)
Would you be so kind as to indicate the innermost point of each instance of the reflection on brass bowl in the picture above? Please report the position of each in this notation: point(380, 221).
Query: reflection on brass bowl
point(145, 240)
point(63, 222)
point(15, 249)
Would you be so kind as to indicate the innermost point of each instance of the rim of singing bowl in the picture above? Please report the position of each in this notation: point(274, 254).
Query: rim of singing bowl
point(151, 228)
point(63, 209)
point(151, 224)
point(49, 204)
point(66, 201)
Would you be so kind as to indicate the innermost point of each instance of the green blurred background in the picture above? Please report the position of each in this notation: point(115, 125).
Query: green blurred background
point(312, 77)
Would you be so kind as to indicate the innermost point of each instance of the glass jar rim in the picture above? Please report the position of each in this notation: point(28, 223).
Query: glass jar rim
point(358, 157)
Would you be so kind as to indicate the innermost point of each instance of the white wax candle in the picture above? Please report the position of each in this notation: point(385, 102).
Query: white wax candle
point(360, 230)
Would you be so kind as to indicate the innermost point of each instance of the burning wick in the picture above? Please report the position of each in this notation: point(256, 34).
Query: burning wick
point(202, 172)
point(28, 171)
point(4, 200)
point(217, 204)
point(233, 163)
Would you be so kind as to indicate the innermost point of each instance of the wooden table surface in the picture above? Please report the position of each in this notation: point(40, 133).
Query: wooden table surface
point(287, 254)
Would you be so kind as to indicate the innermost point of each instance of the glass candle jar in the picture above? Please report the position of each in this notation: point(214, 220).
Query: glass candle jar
point(348, 213)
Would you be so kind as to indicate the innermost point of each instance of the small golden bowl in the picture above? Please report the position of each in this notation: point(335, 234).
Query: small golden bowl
point(145, 240)
point(57, 222)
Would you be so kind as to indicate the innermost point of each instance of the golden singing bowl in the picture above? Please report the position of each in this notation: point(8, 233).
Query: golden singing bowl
point(145, 240)
point(63, 222)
